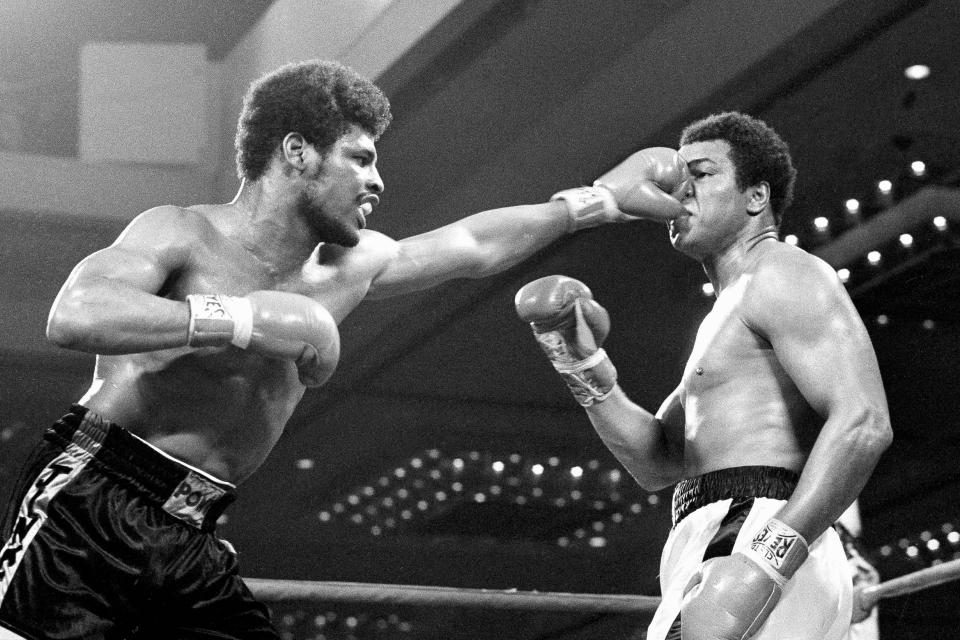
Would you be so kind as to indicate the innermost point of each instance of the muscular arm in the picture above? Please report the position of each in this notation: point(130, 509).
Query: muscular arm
point(476, 246)
point(108, 304)
point(799, 305)
point(649, 446)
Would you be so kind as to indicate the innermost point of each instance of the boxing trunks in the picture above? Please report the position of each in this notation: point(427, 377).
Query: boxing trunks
point(717, 514)
point(108, 537)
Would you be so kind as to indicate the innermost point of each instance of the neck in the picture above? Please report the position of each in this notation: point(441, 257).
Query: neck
point(728, 265)
point(270, 228)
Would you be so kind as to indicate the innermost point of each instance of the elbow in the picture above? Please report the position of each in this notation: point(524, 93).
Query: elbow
point(875, 432)
point(65, 325)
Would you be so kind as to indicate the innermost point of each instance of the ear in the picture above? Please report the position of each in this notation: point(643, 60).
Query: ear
point(759, 198)
point(292, 149)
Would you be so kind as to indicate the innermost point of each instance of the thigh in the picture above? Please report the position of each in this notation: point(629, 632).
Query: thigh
point(203, 596)
point(57, 579)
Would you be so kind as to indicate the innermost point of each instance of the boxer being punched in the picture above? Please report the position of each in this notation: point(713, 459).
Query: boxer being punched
point(778, 420)
point(209, 322)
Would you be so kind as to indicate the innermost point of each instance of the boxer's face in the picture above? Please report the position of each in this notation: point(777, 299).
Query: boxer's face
point(344, 190)
point(716, 205)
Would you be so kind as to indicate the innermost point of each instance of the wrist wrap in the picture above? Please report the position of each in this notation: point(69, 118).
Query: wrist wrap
point(779, 550)
point(217, 320)
point(588, 206)
point(591, 379)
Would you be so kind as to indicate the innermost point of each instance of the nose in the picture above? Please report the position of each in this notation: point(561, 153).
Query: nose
point(374, 182)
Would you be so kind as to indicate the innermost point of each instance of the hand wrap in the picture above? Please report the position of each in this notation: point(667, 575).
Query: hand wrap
point(588, 206)
point(218, 319)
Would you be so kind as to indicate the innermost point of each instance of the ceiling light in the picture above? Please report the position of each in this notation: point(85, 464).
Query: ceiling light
point(821, 223)
point(852, 205)
point(884, 186)
point(917, 71)
point(791, 240)
point(844, 275)
point(918, 168)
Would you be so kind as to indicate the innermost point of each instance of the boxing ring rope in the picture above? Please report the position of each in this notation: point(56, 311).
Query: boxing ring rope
point(867, 597)
point(401, 594)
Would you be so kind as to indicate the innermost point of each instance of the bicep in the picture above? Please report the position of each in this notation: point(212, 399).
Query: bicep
point(121, 266)
point(425, 260)
point(142, 258)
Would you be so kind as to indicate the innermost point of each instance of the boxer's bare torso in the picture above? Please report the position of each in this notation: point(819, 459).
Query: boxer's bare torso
point(740, 407)
point(222, 409)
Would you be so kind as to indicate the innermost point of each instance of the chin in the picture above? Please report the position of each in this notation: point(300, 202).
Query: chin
point(344, 239)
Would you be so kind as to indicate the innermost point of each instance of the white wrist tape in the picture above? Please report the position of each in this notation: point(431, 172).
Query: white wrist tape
point(590, 380)
point(581, 365)
point(588, 206)
point(217, 319)
point(779, 550)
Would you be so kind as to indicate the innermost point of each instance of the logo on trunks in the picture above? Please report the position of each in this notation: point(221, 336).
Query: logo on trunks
point(191, 500)
point(32, 514)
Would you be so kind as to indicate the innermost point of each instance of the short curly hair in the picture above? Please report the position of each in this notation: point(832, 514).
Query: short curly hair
point(317, 98)
point(757, 152)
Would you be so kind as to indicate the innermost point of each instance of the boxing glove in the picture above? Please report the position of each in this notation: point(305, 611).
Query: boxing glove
point(276, 324)
point(648, 184)
point(731, 597)
point(569, 325)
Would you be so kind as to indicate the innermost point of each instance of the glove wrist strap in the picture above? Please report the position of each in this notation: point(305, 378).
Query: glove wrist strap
point(587, 206)
point(590, 380)
point(217, 320)
point(779, 550)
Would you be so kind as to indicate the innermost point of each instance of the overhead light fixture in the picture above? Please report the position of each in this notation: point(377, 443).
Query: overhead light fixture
point(852, 206)
point(917, 72)
point(918, 168)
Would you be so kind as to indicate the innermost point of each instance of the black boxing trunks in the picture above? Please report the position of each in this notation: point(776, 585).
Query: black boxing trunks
point(718, 513)
point(107, 537)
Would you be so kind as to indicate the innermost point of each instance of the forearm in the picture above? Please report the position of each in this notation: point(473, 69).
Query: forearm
point(505, 237)
point(111, 318)
point(637, 439)
point(836, 471)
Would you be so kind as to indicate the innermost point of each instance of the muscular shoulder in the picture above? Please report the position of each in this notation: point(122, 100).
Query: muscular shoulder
point(789, 285)
point(370, 255)
point(167, 224)
point(378, 246)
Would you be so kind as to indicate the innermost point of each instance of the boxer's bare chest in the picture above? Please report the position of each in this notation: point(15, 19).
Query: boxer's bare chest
point(726, 348)
point(337, 277)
